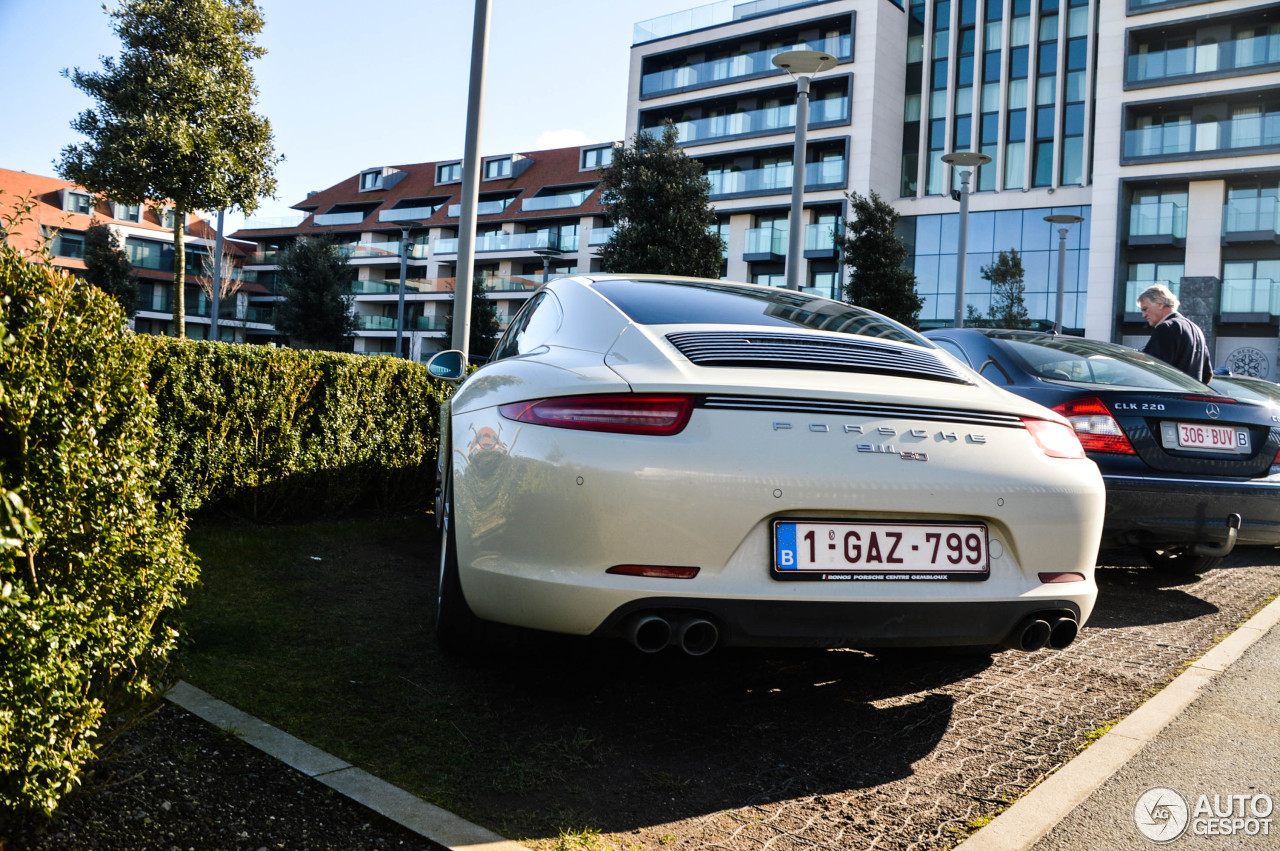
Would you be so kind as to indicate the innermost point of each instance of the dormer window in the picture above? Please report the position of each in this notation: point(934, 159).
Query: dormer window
point(593, 158)
point(449, 173)
point(496, 169)
point(76, 201)
point(166, 218)
point(370, 180)
point(126, 212)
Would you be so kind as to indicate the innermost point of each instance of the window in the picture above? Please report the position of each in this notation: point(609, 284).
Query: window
point(596, 157)
point(449, 173)
point(78, 202)
point(127, 212)
point(370, 180)
point(497, 169)
point(69, 245)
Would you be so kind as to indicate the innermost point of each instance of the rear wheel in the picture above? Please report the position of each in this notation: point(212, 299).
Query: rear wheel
point(457, 627)
point(1179, 560)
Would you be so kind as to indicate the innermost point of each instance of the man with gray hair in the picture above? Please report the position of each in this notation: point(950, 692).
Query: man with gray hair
point(1175, 339)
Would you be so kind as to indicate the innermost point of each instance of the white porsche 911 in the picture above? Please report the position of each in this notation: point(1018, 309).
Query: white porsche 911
point(693, 463)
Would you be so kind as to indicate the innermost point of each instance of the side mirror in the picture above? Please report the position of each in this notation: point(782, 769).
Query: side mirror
point(450, 365)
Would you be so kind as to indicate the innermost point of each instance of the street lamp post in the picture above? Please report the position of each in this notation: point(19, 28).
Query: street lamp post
point(966, 160)
point(802, 65)
point(404, 268)
point(1066, 220)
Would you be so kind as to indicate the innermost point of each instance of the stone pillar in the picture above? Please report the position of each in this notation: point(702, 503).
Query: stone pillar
point(1199, 297)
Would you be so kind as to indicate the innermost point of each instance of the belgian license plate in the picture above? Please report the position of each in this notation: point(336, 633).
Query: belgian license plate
point(835, 551)
point(1201, 436)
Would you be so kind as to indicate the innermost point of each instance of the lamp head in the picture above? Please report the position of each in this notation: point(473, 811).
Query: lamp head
point(965, 158)
point(804, 63)
point(1063, 219)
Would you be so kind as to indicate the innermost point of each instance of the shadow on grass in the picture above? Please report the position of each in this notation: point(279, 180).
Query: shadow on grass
point(325, 631)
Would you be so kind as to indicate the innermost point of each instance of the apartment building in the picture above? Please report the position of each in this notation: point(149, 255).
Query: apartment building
point(538, 216)
point(63, 211)
point(1157, 123)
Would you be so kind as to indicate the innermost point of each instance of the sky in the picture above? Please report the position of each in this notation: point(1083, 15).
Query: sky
point(349, 86)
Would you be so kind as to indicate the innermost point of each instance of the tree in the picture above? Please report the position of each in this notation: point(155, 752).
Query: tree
point(877, 258)
point(1008, 306)
point(228, 278)
point(659, 203)
point(485, 329)
point(174, 120)
point(316, 310)
point(107, 267)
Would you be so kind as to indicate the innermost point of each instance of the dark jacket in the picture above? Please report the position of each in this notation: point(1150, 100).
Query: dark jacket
point(1178, 341)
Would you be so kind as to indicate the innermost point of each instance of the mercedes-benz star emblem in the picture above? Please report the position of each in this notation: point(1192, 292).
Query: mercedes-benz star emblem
point(1213, 412)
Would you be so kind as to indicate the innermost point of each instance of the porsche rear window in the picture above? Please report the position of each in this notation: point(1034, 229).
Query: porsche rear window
point(698, 303)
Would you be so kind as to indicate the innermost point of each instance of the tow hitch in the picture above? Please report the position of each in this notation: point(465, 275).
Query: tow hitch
point(1224, 548)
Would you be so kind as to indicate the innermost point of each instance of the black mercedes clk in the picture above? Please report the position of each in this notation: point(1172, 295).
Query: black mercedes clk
point(1189, 471)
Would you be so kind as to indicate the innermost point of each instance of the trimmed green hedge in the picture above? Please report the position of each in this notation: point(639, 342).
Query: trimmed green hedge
point(91, 568)
point(277, 434)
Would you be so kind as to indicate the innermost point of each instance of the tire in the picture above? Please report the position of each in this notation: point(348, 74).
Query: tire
point(1179, 560)
point(457, 628)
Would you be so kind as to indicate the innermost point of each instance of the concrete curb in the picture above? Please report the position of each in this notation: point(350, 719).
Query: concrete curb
point(427, 820)
point(1037, 812)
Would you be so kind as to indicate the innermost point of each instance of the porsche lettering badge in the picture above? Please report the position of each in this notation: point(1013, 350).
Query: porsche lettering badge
point(888, 432)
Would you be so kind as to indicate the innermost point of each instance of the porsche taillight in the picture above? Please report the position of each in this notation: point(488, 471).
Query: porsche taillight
point(1095, 426)
point(620, 413)
point(1054, 439)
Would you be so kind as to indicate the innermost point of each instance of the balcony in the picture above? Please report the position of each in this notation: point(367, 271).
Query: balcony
point(1251, 220)
point(1237, 55)
point(728, 69)
point(270, 257)
point(507, 283)
point(775, 179)
point(563, 201)
point(373, 287)
point(774, 119)
point(710, 15)
point(511, 242)
point(260, 315)
point(1250, 296)
point(820, 241)
point(599, 236)
point(407, 214)
point(427, 323)
point(376, 323)
point(383, 250)
point(333, 219)
point(1164, 223)
point(157, 302)
point(1171, 140)
point(483, 208)
point(765, 244)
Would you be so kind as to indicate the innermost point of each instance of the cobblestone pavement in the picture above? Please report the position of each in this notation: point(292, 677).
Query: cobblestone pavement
point(997, 731)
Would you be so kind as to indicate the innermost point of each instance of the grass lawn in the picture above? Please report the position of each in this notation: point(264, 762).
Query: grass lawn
point(324, 630)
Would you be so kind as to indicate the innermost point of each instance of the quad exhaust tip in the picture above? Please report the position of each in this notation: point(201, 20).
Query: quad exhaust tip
point(651, 633)
point(1043, 629)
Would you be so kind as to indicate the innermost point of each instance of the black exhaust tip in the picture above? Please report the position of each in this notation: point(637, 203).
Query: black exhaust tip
point(649, 633)
point(1030, 635)
point(1062, 632)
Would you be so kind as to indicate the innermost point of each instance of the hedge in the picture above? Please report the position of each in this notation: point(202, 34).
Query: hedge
point(92, 568)
point(276, 434)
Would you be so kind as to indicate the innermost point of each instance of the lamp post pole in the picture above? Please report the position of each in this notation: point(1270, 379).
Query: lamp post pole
point(802, 65)
point(1066, 220)
point(215, 291)
point(465, 271)
point(966, 161)
point(404, 268)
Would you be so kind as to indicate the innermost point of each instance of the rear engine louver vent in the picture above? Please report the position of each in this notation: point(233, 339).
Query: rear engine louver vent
point(805, 351)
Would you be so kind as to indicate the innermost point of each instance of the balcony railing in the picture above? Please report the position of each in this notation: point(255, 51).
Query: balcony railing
point(1204, 59)
point(270, 257)
point(599, 236)
point(483, 208)
point(767, 241)
point(374, 287)
point(565, 201)
point(1252, 215)
point(775, 178)
point(158, 301)
point(261, 315)
point(1133, 289)
point(330, 219)
point(771, 119)
point(1166, 218)
point(383, 250)
point(707, 16)
point(376, 323)
point(1256, 295)
point(427, 323)
point(511, 242)
point(819, 238)
point(1251, 131)
point(729, 68)
point(407, 214)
